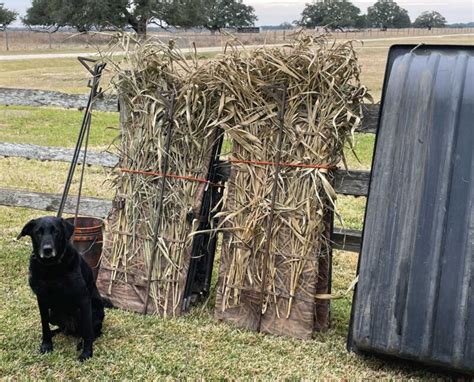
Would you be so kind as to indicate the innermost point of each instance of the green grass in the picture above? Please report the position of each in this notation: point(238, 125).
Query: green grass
point(54, 50)
point(54, 127)
point(61, 74)
point(193, 346)
point(50, 177)
point(138, 347)
point(361, 157)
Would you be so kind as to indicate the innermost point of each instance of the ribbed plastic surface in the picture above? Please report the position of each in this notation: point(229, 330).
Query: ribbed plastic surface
point(415, 296)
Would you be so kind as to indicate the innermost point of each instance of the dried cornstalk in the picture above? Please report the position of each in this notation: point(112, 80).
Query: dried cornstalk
point(233, 92)
point(323, 109)
point(145, 77)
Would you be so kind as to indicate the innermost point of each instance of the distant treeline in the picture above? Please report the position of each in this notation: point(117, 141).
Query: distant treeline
point(461, 25)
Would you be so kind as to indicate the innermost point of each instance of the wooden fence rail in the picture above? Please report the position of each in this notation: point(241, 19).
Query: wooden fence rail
point(347, 182)
point(29, 97)
point(50, 202)
point(355, 183)
point(348, 240)
point(55, 154)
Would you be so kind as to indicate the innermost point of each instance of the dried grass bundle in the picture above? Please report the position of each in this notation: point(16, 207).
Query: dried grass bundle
point(296, 106)
point(165, 131)
point(269, 271)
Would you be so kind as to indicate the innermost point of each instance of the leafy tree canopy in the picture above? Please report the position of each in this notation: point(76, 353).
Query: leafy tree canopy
point(430, 19)
point(227, 13)
point(185, 13)
point(42, 14)
point(6, 17)
point(387, 14)
point(138, 14)
point(334, 14)
point(83, 15)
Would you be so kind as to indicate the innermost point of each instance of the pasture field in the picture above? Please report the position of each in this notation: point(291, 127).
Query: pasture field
point(67, 74)
point(138, 347)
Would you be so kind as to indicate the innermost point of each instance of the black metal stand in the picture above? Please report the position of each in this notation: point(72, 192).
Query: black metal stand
point(96, 73)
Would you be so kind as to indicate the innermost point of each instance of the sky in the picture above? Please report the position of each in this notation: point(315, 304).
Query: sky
point(275, 12)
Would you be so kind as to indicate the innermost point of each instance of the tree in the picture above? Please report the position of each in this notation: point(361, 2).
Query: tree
point(6, 17)
point(227, 14)
point(185, 14)
point(140, 13)
point(85, 15)
point(387, 14)
point(285, 25)
point(361, 22)
point(334, 14)
point(41, 14)
point(430, 19)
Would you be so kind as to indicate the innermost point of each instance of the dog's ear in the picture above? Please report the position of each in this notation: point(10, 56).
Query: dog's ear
point(27, 229)
point(68, 228)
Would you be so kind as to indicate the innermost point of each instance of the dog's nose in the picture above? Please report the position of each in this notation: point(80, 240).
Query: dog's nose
point(48, 250)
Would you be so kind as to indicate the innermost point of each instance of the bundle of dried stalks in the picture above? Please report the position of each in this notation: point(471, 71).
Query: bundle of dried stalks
point(288, 113)
point(274, 215)
point(165, 146)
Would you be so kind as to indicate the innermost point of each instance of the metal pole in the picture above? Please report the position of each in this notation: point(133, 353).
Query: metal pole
point(84, 161)
point(97, 73)
point(157, 227)
point(281, 117)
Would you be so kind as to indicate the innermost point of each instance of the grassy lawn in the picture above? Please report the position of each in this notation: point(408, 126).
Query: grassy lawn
point(138, 347)
point(62, 74)
point(67, 74)
point(54, 50)
point(54, 126)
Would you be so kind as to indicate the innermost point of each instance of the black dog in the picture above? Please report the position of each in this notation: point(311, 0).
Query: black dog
point(63, 284)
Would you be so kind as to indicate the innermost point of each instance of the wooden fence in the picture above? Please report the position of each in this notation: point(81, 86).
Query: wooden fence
point(351, 182)
point(29, 40)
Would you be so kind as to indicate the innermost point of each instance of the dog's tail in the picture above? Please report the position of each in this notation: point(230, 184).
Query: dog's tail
point(107, 303)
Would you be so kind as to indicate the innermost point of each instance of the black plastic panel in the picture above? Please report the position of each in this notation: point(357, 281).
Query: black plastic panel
point(415, 296)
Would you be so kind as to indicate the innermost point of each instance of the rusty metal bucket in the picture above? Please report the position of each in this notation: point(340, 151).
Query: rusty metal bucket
point(88, 240)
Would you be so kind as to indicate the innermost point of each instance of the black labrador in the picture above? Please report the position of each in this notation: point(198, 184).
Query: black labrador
point(63, 284)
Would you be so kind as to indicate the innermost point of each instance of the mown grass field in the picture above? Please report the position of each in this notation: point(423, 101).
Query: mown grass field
point(137, 347)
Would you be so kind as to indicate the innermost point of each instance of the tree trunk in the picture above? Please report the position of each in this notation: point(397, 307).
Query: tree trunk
point(7, 43)
point(140, 27)
point(142, 30)
point(213, 29)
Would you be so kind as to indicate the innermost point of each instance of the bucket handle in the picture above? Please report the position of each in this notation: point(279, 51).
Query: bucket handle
point(90, 247)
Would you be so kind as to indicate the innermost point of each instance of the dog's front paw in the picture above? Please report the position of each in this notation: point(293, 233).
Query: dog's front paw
point(46, 347)
point(85, 355)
